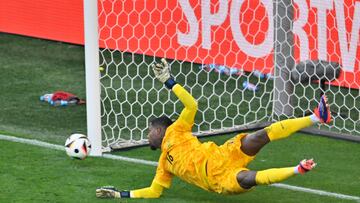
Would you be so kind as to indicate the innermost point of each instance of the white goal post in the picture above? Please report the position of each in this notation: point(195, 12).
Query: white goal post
point(247, 62)
point(92, 76)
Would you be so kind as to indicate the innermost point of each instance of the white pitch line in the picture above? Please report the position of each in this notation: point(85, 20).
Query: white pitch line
point(31, 142)
point(133, 160)
point(314, 191)
point(153, 163)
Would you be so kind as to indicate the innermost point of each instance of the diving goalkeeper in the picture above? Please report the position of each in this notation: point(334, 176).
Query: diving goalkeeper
point(221, 169)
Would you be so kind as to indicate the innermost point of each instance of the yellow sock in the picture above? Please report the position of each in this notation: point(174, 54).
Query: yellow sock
point(287, 127)
point(274, 175)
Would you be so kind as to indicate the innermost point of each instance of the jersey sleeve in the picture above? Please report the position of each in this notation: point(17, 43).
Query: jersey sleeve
point(187, 115)
point(163, 177)
point(154, 191)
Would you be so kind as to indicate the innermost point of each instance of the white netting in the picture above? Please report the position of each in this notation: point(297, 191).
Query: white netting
point(238, 37)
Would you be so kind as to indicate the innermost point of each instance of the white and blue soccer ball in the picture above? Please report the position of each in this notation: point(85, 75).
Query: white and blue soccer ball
point(77, 146)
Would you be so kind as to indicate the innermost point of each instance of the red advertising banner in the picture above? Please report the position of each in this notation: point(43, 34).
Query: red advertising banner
point(60, 20)
point(236, 33)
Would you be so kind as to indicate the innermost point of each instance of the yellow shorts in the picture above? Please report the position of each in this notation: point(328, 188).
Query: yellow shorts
point(224, 164)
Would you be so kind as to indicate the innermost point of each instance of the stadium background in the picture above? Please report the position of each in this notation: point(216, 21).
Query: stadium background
point(63, 21)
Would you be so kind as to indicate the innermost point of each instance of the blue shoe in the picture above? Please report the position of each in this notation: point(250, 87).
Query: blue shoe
point(323, 111)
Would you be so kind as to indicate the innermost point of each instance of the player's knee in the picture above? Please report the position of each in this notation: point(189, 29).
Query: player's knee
point(246, 179)
point(260, 136)
point(252, 143)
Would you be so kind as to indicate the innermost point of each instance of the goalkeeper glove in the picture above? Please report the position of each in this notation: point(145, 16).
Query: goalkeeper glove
point(161, 71)
point(111, 192)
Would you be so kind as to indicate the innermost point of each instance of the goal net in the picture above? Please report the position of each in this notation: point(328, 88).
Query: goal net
point(245, 62)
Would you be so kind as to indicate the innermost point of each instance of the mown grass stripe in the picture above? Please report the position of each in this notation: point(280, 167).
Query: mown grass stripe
point(153, 163)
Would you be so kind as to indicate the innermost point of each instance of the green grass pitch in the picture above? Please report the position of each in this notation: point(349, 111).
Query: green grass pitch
point(32, 67)
point(34, 174)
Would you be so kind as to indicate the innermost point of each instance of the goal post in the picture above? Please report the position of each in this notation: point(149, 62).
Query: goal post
point(92, 76)
point(247, 63)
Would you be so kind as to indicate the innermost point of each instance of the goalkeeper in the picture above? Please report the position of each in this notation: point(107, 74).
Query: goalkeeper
point(221, 169)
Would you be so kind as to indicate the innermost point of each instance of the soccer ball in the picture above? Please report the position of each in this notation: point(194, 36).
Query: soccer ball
point(77, 146)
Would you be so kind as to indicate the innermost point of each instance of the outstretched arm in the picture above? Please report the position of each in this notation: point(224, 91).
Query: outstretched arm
point(162, 73)
point(154, 191)
point(189, 112)
point(161, 180)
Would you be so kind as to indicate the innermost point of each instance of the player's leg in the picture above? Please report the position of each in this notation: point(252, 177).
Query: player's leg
point(248, 179)
point(252, 143)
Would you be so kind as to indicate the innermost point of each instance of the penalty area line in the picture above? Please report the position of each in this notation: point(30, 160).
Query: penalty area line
point(153, 163)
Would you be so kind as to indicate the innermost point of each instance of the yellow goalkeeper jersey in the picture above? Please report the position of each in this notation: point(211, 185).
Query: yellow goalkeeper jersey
point(182, 154)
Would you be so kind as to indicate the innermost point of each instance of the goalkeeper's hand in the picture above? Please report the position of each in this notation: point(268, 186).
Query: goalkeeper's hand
point(111, 192)
point(161, 70)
